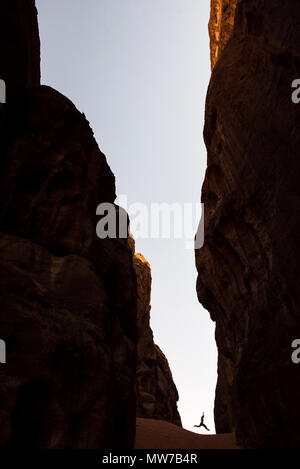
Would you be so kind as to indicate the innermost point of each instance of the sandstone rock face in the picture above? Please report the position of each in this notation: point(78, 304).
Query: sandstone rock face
point(249, 265)
point(68, 299)
point(220, 26)
point(157, 395)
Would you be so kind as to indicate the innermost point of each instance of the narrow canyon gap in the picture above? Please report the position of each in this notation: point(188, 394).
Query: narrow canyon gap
point(80, 359)
point(139, 70)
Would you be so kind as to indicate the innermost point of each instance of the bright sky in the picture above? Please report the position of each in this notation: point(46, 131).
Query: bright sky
point(139, 70)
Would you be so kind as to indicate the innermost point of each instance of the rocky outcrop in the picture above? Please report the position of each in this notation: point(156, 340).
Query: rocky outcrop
point(68, 299)
point(20, 46)
point(157, 395)
point(249, 265)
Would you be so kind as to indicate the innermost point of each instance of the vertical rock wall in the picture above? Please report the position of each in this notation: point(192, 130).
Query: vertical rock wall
point(68, 299)
point(249, 265)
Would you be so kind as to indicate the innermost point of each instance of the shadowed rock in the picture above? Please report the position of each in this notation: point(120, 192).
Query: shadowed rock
point(249, 265)
point(68, 299)
point(20, 46)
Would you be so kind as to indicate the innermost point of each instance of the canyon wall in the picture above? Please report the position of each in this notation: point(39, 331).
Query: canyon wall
point(249, 264)
point(68, 299)
point(156, 392)
point(75, 309)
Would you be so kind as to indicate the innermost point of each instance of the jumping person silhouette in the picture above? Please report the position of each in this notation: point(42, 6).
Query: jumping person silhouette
point(202, 424)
